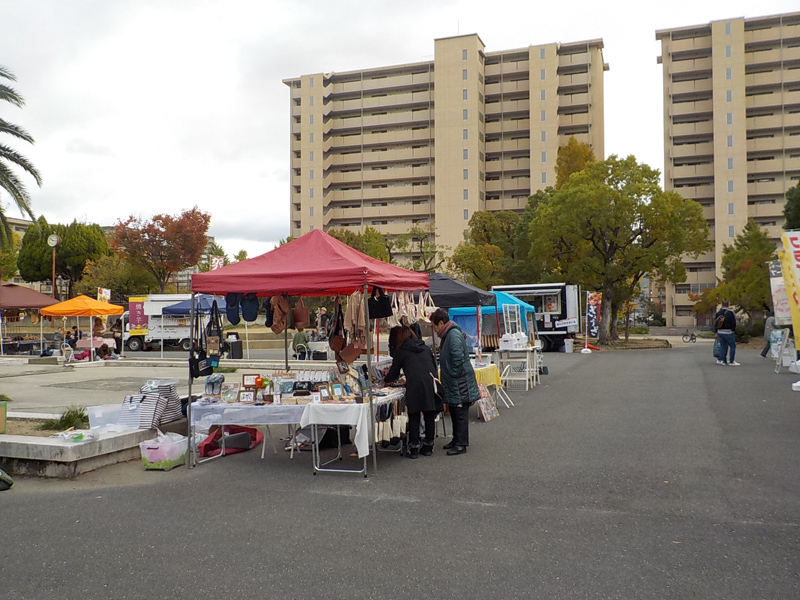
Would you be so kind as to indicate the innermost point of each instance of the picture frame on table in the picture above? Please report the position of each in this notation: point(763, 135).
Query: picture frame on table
point(324, 392)
point(337, 391)
point(246, 396)
point(230, 392)
point(249, 380)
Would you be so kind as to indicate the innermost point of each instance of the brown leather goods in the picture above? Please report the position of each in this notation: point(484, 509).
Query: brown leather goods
point(301, 315)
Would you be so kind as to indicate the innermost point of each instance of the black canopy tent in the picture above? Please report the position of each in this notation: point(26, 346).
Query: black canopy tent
point(449, 293)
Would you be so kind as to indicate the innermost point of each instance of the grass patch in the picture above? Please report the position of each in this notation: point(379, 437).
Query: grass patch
point(74, 416)
point(4, 398)
point(225, 369)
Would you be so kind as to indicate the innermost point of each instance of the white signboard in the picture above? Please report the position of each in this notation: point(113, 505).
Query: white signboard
point(567, 323)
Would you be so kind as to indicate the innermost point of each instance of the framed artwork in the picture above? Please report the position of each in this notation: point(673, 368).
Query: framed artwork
point(247, 395)
point(486, 405)
point(249, 380)
point(324, 394)
point(337, 391)
point(230, 392)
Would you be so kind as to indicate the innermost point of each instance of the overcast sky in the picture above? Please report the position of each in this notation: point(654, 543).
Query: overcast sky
point(154, 106)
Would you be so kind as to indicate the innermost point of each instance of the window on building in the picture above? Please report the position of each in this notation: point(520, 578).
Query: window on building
point(311, 193)
point(464, 114)
point(728, 73)
point(466, 174)
point(729, 118)
point(730, 164)
point(544, 136)
point(727, 28)
point(543, 115)
point(464, 74)
point(728, 51)
point(728, 96)
point(466, 214)
point(542, 53)
point(730, 208)
point(542, 95)
point(465, 134)
point(544, 157)
point(730, 185)
point(310, 211)
point(730, 231)
point(311, 137)
point(310, 119)
point(542, 74)
point(544, 177)
point(311, 173)
point(464, 94)
point(311, 155)
point(730, 141)
point(311, 100)
point(311, 228)
point(465, 194)
point(463, 55)
point(465, 153)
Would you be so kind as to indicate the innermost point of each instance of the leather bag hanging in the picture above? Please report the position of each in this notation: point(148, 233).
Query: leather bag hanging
point(379, 304)
point(300, 314)
point(280, 307)
point(337, 339)
point(214, 332)
point(350, 352)
point(199, 365)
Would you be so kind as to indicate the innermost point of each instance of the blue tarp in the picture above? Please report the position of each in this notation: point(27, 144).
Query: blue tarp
point(465, 317)
point(203, 304)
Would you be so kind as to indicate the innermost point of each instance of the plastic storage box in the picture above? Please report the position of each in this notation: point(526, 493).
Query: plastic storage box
point(164, 452)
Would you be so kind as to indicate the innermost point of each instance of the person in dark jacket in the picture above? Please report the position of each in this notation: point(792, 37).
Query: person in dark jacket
point(415, 359)
point(725, 328)
point(458, 378)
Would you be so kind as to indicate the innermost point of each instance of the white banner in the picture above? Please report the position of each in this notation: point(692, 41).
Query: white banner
point(103, 295)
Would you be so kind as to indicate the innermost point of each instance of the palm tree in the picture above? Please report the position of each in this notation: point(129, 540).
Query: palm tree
point(8, 178)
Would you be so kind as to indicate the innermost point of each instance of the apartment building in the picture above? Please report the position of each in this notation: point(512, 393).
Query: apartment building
point(731, 133)
point(430, 143)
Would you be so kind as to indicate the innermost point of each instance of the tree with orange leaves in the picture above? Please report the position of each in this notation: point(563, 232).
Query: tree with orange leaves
point(163, 245)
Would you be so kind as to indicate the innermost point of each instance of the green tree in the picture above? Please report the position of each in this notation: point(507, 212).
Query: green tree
point(8, 257)
point(745, 273)
point(572, 158)
point(118, 275)
point(240, 256)
point(80, 243)
point(791, 210)
point(609, 225)
point(480, 265)
point(419, 243)
point(522, 269)
point(8, 156)
point(371, 242)
point(163, 245)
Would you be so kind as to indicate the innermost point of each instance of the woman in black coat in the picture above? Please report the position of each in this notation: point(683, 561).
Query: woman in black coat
point(416, 361)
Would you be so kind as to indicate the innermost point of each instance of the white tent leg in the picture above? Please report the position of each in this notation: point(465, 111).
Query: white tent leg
point(247, 337)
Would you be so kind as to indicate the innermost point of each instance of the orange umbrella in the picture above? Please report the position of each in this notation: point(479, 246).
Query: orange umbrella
point(82, 306)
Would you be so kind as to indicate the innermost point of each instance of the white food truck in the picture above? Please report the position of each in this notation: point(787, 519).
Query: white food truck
point(146, 326)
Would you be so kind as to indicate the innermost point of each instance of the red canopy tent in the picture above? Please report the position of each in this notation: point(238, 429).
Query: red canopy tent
point(315, 264)
point(18, 296)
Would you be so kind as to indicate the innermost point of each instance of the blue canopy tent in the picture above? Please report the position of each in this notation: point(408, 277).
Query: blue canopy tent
point(203, 306)
point(465, 317)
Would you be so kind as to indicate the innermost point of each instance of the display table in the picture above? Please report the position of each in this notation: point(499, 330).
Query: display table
point(95, 342)
point(488, 375)
point(524, 365)
point(320, 347)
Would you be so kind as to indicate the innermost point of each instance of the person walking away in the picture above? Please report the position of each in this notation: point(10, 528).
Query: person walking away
point(300, 339)
point(415, 359)
point(458, 378)
point(116, 331)
point(769, 327)
point(725, 328)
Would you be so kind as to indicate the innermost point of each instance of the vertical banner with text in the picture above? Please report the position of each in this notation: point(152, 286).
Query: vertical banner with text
point(790, 264)
point(594, 311)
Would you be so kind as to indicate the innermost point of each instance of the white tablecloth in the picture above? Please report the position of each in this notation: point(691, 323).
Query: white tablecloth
point(206, 415)
point(342, 414)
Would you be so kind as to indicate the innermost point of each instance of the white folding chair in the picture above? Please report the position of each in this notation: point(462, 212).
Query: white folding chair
point(67, 352)
point(302, 348)
point(501, 389)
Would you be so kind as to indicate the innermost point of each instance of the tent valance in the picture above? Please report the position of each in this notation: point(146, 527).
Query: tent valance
point(315, 264)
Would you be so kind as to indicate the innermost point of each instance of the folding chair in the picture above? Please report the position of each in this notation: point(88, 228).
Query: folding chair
point(501, 389)
point(67, 352)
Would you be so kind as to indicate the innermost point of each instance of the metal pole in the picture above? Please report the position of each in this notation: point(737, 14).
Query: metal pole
point(369, 386)
point(190, 428)
point(54, 273)
point(286, 343)
point(247, 337)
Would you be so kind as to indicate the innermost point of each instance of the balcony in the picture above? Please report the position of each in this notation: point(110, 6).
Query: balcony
point(765, 210)
point(699, 128)
point(697, 192)
point(691, 108)
point(572, 120)
point(689, 44)
point(775, 143)
point(691, 171)
point(580, 58)
point(508, 145)
point(576, 79)
point(507, 87)
point(764, 188)
point(768, 78)
point(387, 193)
point(685, 150)
point(573, 100)
point(689, 87)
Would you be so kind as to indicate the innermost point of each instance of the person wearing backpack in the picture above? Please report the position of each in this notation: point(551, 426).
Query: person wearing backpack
point(725, 328)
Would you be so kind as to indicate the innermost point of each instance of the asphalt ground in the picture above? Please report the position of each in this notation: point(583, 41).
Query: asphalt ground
point(648, 474)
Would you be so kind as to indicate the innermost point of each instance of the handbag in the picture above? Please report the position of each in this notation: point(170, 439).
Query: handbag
point(350, 352)
point(718, 349)
point(280, 311)
point(300, 314)
point(426, 307)
point(393, 320)
point(379, 304)
point(198, 361)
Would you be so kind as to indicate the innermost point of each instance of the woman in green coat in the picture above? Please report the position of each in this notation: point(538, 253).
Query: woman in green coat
point(458, 379)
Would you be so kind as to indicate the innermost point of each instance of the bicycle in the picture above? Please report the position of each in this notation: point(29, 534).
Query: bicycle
point(689, 337)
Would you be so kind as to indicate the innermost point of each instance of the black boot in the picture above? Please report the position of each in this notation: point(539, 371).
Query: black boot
point(413, 453)
point(427, 450)
point(452, 444)
point(457, 450)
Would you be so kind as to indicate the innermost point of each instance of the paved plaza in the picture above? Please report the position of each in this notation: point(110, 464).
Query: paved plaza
point(647, 474)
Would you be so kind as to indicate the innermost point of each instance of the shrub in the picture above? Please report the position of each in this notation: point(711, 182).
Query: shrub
point(74, 416)
point(4, 398)
point(640, 330)
point(757, 329)
point(741, 334)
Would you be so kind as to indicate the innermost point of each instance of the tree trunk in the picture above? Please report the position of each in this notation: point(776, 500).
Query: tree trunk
point(614, 318)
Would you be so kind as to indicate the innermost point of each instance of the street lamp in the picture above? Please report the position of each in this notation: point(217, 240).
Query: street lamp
point(53, 240)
